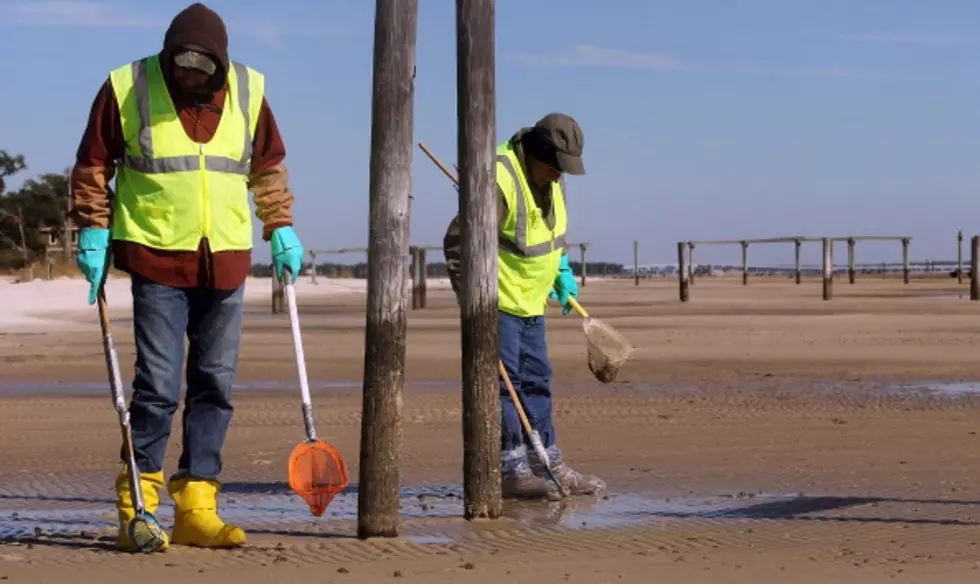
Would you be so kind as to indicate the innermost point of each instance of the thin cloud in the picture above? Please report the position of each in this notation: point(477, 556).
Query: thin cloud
point(268, 33)
point(592, 56)
point(900, 38)
point(85, 14)
point(603, 58)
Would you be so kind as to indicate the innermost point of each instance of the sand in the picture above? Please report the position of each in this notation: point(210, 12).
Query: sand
point(759, 434)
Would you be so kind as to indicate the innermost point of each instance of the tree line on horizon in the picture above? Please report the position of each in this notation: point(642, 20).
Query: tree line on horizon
point(39, 203)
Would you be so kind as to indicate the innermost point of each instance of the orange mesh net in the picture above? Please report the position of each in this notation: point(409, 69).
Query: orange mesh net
point(317, 473)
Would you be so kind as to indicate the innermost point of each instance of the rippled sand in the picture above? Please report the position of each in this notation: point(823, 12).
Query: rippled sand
point(760, 435)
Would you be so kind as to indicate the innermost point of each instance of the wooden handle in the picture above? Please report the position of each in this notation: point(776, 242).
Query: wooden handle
point(578, 307)
point(103, 310)
point(441, 166)
point(513, 395)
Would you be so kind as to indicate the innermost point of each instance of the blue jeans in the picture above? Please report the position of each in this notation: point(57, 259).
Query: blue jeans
point(524, 353)
point(211, 320)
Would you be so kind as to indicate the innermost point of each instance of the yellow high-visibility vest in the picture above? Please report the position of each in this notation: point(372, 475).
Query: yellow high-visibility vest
point(529, 252)
point(170, 190)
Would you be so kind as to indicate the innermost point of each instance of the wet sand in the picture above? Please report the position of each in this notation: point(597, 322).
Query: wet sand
point(759, 434)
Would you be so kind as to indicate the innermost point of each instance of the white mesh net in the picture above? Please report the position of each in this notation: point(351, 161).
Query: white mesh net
point(608, 349)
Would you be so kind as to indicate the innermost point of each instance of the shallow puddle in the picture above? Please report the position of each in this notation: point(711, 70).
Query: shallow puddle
point(272, 507)
point(431, 539)
point(947, 388)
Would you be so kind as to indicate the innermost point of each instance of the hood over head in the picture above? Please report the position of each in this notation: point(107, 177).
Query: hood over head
point(199, 28)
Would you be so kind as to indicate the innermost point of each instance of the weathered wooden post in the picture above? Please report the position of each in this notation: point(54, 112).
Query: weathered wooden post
point(476, 144)
point(416, 278)
point(313, 266)
point(278, 294)
point(67, 233)
point(745, 263)
point(585, 266)
point(851, 271)
point(636, 263)
point(799, 269)
point(393, 95)
point(690, 263)
point(959, 256)
point(682, 273)
point(974, 265)
point(828, 269)
point(423, 277)
point(905, 259)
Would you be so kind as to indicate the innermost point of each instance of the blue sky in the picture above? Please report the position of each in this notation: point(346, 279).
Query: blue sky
point(703, 119)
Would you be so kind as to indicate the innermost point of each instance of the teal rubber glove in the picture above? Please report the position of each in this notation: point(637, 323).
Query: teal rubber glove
point(93, 255)
point(565, 286)
point(287, 252)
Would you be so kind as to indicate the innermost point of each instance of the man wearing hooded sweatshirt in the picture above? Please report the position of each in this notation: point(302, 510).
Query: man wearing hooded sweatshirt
point(532, 267)
point(178, 223)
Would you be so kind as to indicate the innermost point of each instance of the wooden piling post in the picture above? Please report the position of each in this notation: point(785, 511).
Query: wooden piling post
point(690, 264)
point(959, 256)
point(799, 268)
point(585, 267)
point(828, 269)
point(423, 277)
point(413, 252)
point(905, 260)
point(393, 96)
point(745, 263)
point(974, 265)
point(278, 294)
point(636, 263)
point(476, 144)
point(313, 266)
point(851, 271)
point(682, 272)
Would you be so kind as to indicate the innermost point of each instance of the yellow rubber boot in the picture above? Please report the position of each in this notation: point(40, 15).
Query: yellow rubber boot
point(196, 521)
point(150, 485)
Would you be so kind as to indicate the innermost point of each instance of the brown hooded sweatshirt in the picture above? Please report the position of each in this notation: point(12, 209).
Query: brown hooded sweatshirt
point(103, 144)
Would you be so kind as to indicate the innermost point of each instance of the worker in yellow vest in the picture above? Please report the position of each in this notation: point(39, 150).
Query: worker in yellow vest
point(187, 134)
point(532, 267)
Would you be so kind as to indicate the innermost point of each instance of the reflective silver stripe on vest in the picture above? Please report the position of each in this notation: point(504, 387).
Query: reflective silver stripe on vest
point(147, 164)
point(185, 163)
point(520, 246)
point(241, 72)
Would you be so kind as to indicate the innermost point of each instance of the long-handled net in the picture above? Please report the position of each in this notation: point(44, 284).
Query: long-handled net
point(143, 529)
point(608, 349)
point(317, 471)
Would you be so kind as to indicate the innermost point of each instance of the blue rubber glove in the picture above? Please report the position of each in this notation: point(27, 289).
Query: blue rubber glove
point(93, 255)
point(565, 286)
point(287, 252)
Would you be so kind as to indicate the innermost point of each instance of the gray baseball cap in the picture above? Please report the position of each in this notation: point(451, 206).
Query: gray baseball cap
point(191, 58)
point(562, 134)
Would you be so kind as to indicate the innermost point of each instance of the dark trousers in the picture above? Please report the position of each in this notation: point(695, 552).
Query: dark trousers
point(524, 353)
